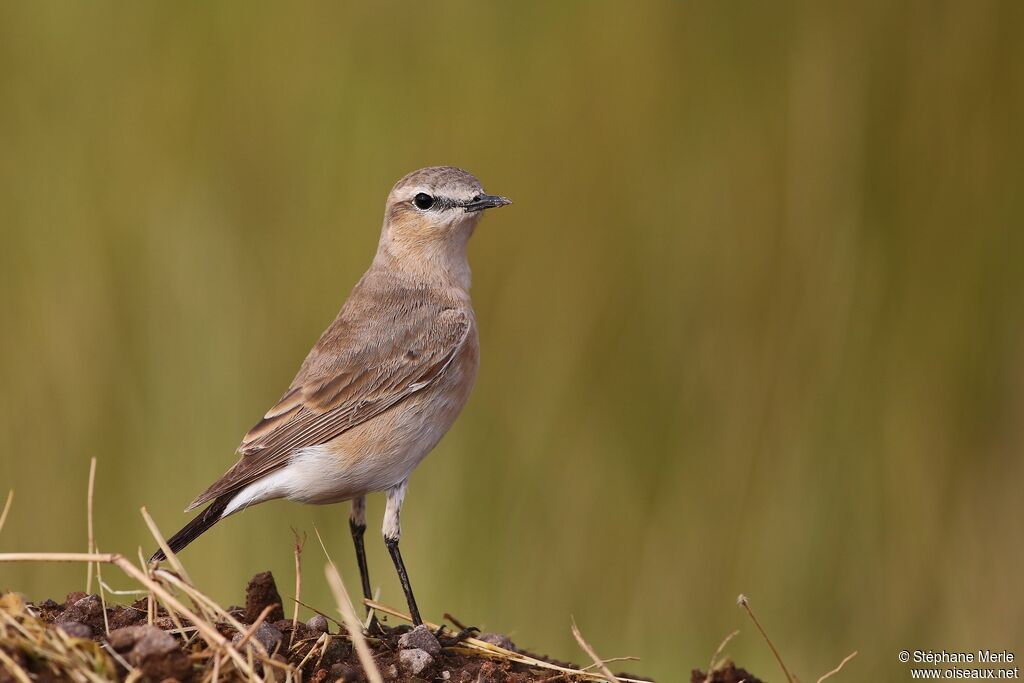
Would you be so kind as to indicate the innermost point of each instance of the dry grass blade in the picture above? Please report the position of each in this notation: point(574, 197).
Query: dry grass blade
point(173, 559)
point(7, 508)
point(588, 667)
point(203, 601)
point(88, 515)
point(249, 632)
point(714, 658)
point(320, 642)
point(593, 655)
point(120, 660)
point(14, 668)
point(62, 657)
point(370, 614)
point(743, 602)
point(154, 531)
point(170, 610)
point(103, 593)
point(207, 630)
point(840, 667)
point(328, 617)
point(159, 537)
point(348, 614)
point(299, 544)
point(247, 636)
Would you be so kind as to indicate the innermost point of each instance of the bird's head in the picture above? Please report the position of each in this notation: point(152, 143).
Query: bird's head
point(431, 214)
point(438, 203)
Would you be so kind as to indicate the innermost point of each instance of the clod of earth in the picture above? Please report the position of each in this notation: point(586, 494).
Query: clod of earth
point(724, 673)
point(261, 593)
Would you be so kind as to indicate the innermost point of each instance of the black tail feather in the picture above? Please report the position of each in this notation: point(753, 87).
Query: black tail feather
point(194, 529)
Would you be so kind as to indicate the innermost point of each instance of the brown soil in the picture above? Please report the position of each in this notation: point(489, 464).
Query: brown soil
point(727, 673)
point(161, 654)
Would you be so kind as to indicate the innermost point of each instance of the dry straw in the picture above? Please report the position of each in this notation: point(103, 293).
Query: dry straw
point(84, 661)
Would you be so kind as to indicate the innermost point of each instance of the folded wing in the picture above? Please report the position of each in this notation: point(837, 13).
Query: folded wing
point(344, 383)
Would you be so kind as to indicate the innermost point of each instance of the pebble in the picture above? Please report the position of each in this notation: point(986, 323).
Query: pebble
point(84, 609)
point(318, 623)
point(153, 643)
point(143, 641)
point(414, 661)
point(266, 635)
point(154, 652)
point(498, 639)
point(350, 672)
point(420, 638)
point(76, 629)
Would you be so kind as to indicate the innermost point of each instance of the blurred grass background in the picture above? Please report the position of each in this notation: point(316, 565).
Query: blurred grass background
point(754, 323)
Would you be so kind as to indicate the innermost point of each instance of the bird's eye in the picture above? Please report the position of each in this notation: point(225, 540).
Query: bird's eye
point(423, 201)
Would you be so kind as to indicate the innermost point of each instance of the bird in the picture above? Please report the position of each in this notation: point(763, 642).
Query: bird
point(384, 382)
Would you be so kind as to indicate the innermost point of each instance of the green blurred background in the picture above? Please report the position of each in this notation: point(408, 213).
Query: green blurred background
point(754, 323)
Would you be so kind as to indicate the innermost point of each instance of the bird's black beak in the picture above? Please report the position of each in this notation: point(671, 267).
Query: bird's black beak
point(485, 201)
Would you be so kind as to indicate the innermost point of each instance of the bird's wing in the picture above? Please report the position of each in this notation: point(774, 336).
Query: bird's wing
point(335, 391)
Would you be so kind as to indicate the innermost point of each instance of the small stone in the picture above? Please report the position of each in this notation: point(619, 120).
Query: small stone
point(420, 638)
point(266, 635)
point(76, 629)
point(415, 661)
point(153, 643)
point(498, 639)
point(152, 651)
point(86, 610)
point(318, 622)
point(123, 639)
point(260, 592)
point(446, 675)
point(336, 650)
point(348, 673)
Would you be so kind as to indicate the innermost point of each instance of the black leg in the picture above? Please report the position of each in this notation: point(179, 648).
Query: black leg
point(364, 571)
point(403, 576)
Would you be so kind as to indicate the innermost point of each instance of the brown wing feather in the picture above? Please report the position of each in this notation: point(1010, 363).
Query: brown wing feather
point(342, 384)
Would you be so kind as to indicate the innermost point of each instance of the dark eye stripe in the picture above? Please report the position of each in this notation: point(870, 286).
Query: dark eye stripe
point(424, 202)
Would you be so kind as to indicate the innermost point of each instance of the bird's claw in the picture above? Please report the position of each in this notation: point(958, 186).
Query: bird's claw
point(387, 632)
point(451, 641)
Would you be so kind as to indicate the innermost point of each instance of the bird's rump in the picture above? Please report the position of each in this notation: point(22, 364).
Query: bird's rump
point(336, 391)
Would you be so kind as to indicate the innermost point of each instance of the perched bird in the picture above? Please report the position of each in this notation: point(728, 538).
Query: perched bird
point(384, 382)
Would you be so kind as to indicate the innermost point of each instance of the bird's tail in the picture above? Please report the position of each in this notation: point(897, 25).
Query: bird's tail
point(194, 529)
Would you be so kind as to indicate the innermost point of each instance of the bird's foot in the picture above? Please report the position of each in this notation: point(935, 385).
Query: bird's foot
point(453, 640)
point(383, 632)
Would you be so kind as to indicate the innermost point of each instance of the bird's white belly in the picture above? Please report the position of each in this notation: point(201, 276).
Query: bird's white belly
point(374, 456)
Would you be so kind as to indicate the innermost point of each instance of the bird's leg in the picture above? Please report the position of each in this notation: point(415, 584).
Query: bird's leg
point(357, 523)
point(392, 532)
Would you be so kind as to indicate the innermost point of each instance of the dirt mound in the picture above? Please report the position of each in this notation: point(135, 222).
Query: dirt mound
point(726, 673)
point(47, 640)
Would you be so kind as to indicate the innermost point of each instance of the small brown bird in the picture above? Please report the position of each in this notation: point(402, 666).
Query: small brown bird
point(384, 382)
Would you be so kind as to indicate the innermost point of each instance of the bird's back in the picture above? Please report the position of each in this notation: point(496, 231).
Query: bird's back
point(385, 310)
